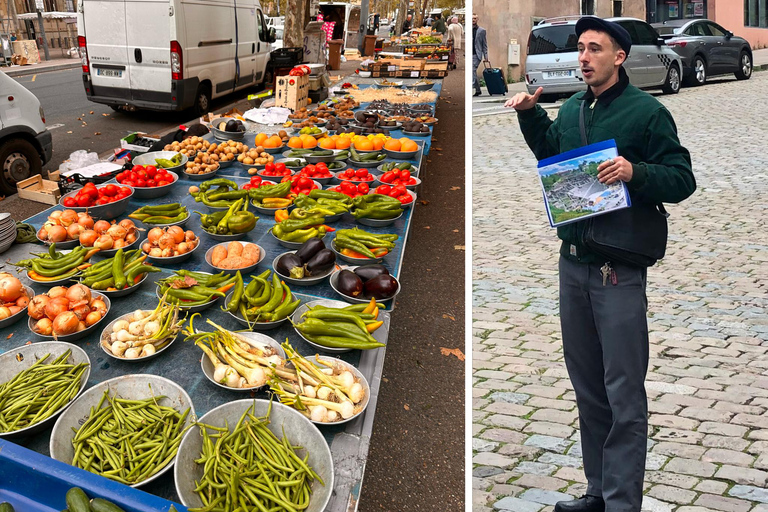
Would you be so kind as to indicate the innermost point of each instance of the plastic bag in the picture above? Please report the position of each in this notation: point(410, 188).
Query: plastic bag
point(79, 159)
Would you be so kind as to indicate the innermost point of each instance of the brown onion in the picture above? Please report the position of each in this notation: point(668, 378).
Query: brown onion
point(10, 288)
point(183, 248)
point(154, 235)
point(92, 318)
point(42, 234)
point(68, 217)
point(74, 230)
point(88, 238)
point(127, 224)
point(57, 307)
point(14, 309)
point(117, 232)
point(57, 234)
point(130, 237)
point(86, 221)
point(65, 323)
point(177, 232)
point(119, 244)
point(57, 291)
point(190, 235)
point(22, 301)
point(100, 306)
point(101, 226)
point(146, 247)
point(81, 311)
point(44, 326)
point(80, 326)
point(167, 241)
point(37, 306)
point(79, 293)
point(56, 214)
point(104, 242)
point(4, 312)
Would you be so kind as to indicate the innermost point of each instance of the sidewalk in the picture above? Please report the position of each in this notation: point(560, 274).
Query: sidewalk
point(760, 58)
point(42, 67)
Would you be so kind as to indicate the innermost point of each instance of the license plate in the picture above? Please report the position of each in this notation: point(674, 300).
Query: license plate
point(558, 74)
point(113, 73)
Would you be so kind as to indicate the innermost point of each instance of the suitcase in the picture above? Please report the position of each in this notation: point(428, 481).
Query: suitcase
point(494, 80)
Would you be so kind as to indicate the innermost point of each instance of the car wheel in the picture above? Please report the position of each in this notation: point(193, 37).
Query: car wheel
point(202, 100)
point(19, 160)
point(698, 72)
point(745, 67)
point(672, 83)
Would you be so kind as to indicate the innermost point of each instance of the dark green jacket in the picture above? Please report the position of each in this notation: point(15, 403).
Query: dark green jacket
point(645, 135)
point(439, 26)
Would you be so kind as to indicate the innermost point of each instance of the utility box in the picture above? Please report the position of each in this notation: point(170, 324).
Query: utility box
point(334, 53)
point(369, 46)
point(292, 91)
point(513, 53)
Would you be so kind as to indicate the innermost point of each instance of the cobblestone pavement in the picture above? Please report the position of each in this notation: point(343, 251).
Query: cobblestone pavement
point(708, 318)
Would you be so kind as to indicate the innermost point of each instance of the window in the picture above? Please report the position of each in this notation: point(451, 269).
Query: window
point(617, 8)
point(715, 30)
point(588, 7)
point(553, 39)
point(70, 6)
point(629, 26)
point(263, 32)
point(646, 34)
point(696, 30)
point(756, 13)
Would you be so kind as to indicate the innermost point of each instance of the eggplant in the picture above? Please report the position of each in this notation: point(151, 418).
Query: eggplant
point(309, 249)
point(366, 272)
point(324, 260)
point(234, 125)
point(290, 265)
point(381, 287)
point(349, 283)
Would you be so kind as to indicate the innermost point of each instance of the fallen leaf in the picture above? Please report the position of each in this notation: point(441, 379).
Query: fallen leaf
point(85, 124)
point(69, 131)
point(97, 133)
point(438, 149)
point(455, 188)
point(427, 227)
point(79, 118)
point(9, 336)
point(91, 112)
point(2, 198)
point(446, 315)
point(384, 379)
point(405, 406)
point(459, 247)
point(456, 352)
point(455, 230)
point(423, 201)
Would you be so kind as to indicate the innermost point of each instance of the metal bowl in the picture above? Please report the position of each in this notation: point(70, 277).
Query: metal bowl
point(190, 309)
point(224, 135)
point(274, 151)
point(323, 181)
point(414, 169)
point(223, 164)
point(359, 377)
point(317, 159)
point(408, 187)
point(244, 270)
point(289, 245)
point(108, 253)
point(57, 282)
point(356, 182)
point(296, 318)
point(284, 420)
point(104, 211)
point(108, 330)
point(287, 154)
point(154, 192)
point(201, 177)
point(260, 173)
point(397, 126)
point(354, 261)
point(124, 291)
point(323, 132)
point(420, 87)
point(257, 337)
point(378, 223)
point(254, 326)
point(380, 85)
point(368, 165)
point(334, 281)
point(177, 223)
point(130, 387)
point(149, 159)
point(401, 155)
point(307, 281)
point(78, 335)
point(226, 238)
point(174, 259)
point(66, 244)
point(417, 134)
point(19, 359)
point(15, 318)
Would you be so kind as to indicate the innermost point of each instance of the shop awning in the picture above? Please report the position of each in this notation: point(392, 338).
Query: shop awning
point(55, 15)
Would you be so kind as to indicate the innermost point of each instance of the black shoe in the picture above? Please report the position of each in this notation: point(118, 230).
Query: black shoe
point(584, 504)
point(477, 94)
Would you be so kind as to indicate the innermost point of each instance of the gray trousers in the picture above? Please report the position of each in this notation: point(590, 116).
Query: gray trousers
point(475, 82)
point(605, 343)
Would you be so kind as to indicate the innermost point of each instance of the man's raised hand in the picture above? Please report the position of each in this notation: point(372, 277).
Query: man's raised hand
point(523, 100)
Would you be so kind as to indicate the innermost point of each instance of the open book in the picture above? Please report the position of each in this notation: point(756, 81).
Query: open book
point(570, 186)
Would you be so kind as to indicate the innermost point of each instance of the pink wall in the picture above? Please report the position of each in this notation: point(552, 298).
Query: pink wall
point(730, 14)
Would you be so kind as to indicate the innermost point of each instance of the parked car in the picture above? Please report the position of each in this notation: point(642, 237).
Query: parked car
point(384, 21)
point(25, 143)
point(278, 37)
point(171, 55)
point(707, 49)
point(553, 58)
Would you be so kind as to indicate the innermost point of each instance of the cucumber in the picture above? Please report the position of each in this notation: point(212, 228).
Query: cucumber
point(322, 152)
point(405, 166)
point(6, 507)
point(77, 501)
point(371, 156)
point(100, 505)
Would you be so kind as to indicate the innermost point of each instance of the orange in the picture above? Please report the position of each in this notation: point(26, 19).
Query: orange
point(276, 140)
point(393, 145)
point(295, 142)
point(310, 142)
point(363, 145)
point(342, 143)
point(260, 138)
point(378, 143)
point(409, 145)
point(327, 143)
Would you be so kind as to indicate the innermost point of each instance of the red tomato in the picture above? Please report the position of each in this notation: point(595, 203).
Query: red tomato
point(151, 169)
point(387, 177)
point(400, 189)
point(129, 183)
point(162, 183)
point(134, 176)
point(125, 190)
point(141, 182)
point(69, 202)
point(103, 200)
point(405, 199)
point(383, 189)
point(279, 167)
point(405, 175)
point(111, 190)
point(286, 178)
point(152, 183)
point(137, 168)
point(84, 201)
point(256, 180)
point(247, 186)
point(304, 182)
point(360, 173)
point(348, 187)
point(363, 188)
point(91, 192)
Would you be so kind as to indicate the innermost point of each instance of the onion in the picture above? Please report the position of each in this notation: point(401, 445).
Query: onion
point(85, 220)
point(56, 214)
point(127, 224)
point(81, 311)
point(183, 248)
point(4, 312)
point(167, 241)
point(177, 233)
point(154, 235)
point(44, 326)
point(88, 238)
point(130, 238)
point(78, 293)
point(100, 306)
point(65, 323)
point(92, 318)
point(104, 242)
point(42, 234)
point(190, 235)
point(22, 301)
point(37, 306)
point(148, 350)
point(74, 230)
point(118, 348)
point(57, 234)
point(120, 325)
point(167, 252)
point(156, 252)
point(14, 309)
point(146, 247)
point(80, 326)
point(68, 217)
point(56, 307)
point(57, 291)
point(132, 353)
point(101, 226)
point(119, 244)
point(10, 289)
point(117, 232)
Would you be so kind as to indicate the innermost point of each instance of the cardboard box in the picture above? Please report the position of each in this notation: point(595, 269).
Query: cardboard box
point(26, 49)
point(39, 190)
point(292, 92)
point(127, 142)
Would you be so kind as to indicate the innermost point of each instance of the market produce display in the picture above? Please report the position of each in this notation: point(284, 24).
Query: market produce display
point(398, 192)
point(256, 182)
point(376, 206)
point(169, 242)
point(142, 333)
point(218, 193)
point(227, 151)
point(56, 266)
point(77, 501)
point(359, 175)
point(232, 126)
point(248, 473)
point(301, 184)
point(300, 226)
point(264, 299)
point(341, 328)
point(234, 221)
point(128, 440)
point(105, 236)
point(279, 195)
point(398, 177)
point(188, 147)
point(275, 169)
point(148, 177)
point(162, 214)
point(367, 281)
point(39, 392)
point(64, 311)
point(190, 289)
point(123, 270)
point(357, 158)
point(324, 202)
point(168, 163)
point(235, 255)
point(320, 170)
point(358, 243)
point(13, 296)
point(64, 225)
point(403, 145)
point(311, 259)
point(325, 391)
point(416, 127)
point(90, 195)
point(393, 166)
point(203, 163)
point(351, 190)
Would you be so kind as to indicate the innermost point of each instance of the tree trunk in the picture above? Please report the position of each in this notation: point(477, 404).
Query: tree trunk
point(419, 5)
point(401, 15)
point(293, 36)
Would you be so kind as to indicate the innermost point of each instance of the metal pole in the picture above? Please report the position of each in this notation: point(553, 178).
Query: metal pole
point(42, 32)
point(363, 24)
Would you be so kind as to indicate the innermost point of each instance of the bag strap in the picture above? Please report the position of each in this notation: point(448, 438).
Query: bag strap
point(582, 126)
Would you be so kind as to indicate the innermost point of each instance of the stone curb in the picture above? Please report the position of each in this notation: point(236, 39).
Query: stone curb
point(31, 70)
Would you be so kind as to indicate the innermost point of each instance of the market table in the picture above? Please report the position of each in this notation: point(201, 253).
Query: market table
point(181, 361)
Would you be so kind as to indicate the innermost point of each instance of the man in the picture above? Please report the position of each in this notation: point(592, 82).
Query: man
point(439, 24)
point(480, 52)
point(603, 315)
point(407, 24)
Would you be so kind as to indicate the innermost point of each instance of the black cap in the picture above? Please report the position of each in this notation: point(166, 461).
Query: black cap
point(615, 30)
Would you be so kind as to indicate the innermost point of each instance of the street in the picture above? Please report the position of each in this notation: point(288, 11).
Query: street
point(76, 123)
point(707, 382)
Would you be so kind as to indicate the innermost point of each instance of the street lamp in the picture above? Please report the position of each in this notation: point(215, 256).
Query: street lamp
point(40, 7)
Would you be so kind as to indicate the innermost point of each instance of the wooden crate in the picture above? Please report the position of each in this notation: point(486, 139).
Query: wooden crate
point(292, 92)
point(39, 190)
point(435, 65)
point(412, 65)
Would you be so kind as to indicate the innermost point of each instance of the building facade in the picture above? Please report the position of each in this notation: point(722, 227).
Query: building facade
point(60, 32)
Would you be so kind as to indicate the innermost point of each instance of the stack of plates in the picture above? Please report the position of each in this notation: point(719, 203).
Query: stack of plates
point(7, 231)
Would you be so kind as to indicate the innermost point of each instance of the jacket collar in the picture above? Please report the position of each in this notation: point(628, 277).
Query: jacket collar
point(612, 92)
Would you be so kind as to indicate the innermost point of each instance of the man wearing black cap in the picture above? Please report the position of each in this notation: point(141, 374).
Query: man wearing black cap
point(602, 298)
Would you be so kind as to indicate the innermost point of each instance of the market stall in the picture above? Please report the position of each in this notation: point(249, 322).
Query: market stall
point(182, 362)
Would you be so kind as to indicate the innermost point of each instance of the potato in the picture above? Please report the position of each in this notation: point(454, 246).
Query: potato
point(248, 160)
point(251, 254)
point(218, 255)
point(235, 249)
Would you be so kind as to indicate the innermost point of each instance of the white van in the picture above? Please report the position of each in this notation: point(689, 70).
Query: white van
point(171, 54)
point(25, 143)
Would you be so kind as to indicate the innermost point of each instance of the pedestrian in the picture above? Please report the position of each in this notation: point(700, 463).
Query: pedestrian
point(406, 24)
point(480, 52)
point(603, 305)
point(428, 22)
point(13, 36)
point(439, 24)
point(454, 34)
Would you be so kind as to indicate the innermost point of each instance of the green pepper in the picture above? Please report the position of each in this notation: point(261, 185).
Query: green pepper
point(137, 271)
point(300, 235)
point(330, 194)
point(159, 219)
point(278, 190)
point(339, 342)
point(56, 272)
point(237, 294)
point(376, 213)
point(212, 219)
point(266, 293)
point(117, 269)
point(231, 195)
point(317, 327)
point(339, 316)
point(221, 227)
point(298, 213)
point(241, 222)
point(343, 242)
point(218, 182)
point(277, 295)
point(291, 225)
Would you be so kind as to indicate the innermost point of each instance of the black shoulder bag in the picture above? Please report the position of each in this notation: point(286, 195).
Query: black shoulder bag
point(633, 236)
